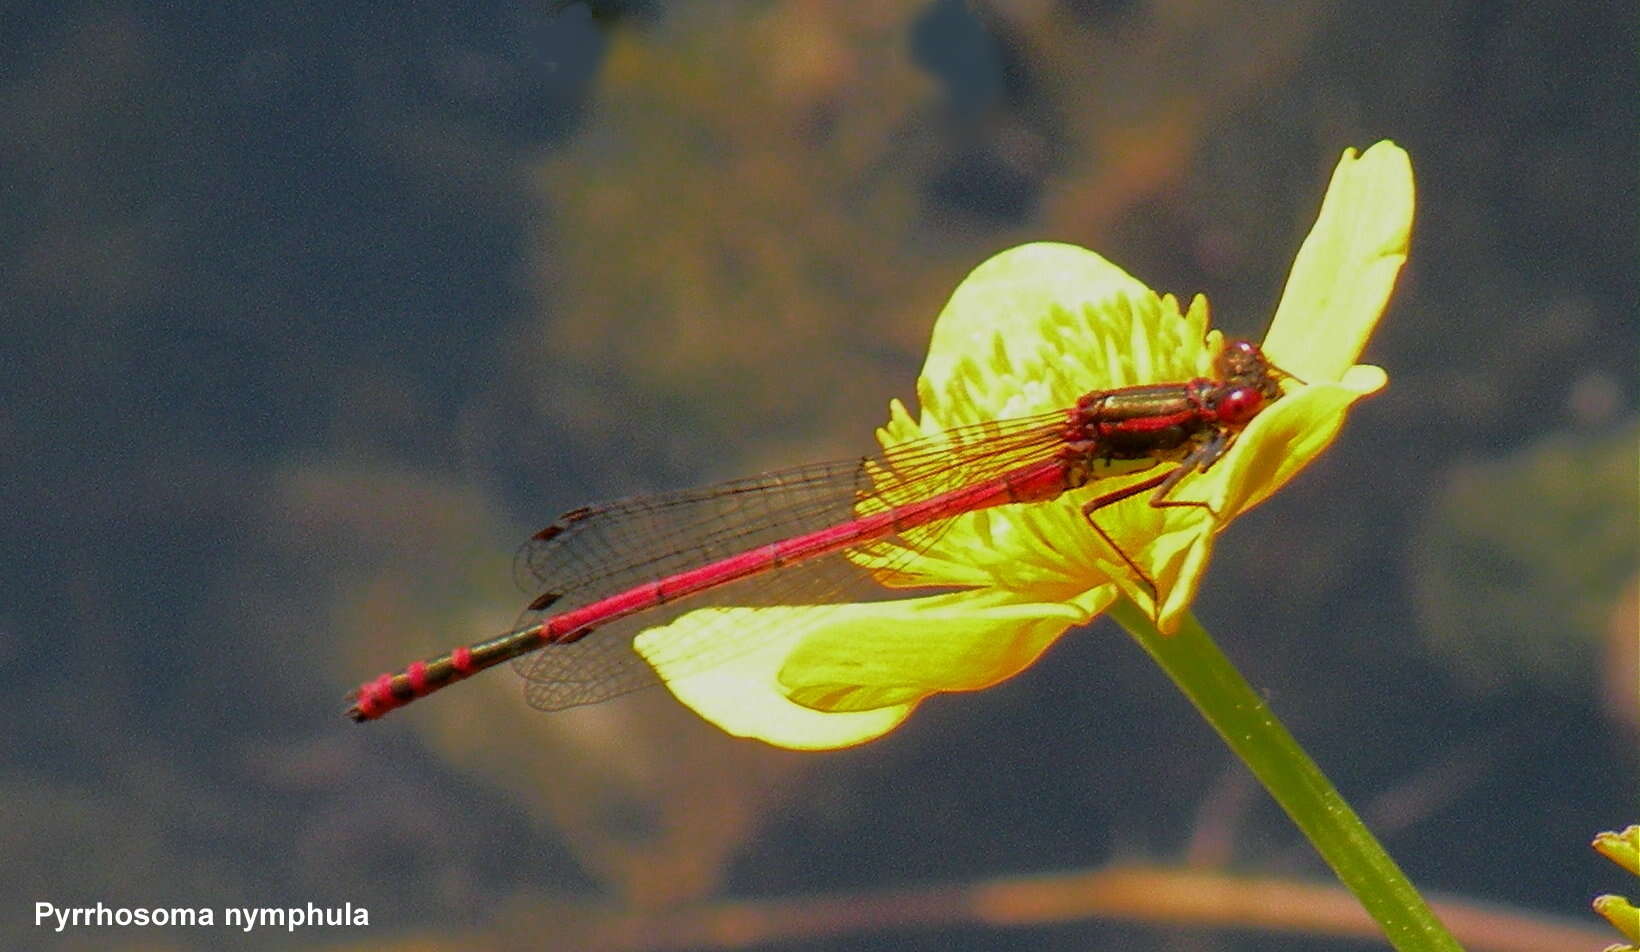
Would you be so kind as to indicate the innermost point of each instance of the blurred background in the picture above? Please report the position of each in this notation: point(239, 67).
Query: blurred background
point(312, 313)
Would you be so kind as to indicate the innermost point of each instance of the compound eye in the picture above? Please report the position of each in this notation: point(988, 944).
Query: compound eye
point(1239, 405)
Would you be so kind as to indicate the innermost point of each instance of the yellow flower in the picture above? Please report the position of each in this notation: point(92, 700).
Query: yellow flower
point(1029, 332)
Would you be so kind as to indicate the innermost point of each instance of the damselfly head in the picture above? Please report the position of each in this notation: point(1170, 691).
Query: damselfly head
point(1242, 364)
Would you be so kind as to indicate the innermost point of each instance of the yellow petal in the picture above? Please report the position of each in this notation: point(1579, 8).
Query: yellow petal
point(1346, 269)
point(834, 676)
point(743, 695)
point(1296, 436)
point(1037, 326)
point(902, 651)
point(1279, 443)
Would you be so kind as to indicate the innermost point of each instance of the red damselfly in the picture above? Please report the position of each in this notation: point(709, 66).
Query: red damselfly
point(788, 537)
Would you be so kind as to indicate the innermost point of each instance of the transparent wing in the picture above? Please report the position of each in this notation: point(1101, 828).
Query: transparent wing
point(598, 551)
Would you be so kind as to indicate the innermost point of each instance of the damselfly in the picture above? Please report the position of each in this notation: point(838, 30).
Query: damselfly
point(791, 537)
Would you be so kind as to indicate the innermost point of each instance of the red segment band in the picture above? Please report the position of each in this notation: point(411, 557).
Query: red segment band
point(376, 697)
point(417, 673)
point(462, 660)
point(365, 704)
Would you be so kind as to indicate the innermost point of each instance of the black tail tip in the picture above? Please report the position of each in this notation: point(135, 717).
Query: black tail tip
point(355, 712)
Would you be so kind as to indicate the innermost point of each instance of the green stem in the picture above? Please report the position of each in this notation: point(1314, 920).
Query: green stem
point(1251, 729)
